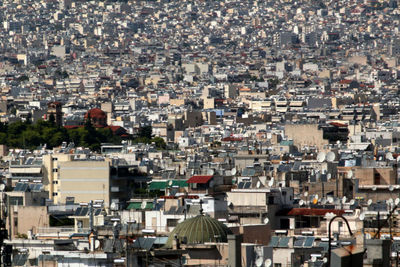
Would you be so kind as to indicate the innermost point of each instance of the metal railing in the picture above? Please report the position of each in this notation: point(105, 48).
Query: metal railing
point(55, 230)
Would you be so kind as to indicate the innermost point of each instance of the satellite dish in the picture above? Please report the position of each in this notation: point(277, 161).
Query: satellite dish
point(96, 244)
point(315, 201)
point(330, 200)
point(350, 174)
point(316, 197)
point(2, 187)
point(301, 202)
point(321, 157)
point(389, 156)
point(268, 263)
point(344, 200)
point(323, 201)
point(143, 205)
point(233, 171)
point(271, 182)
point(330, 157)
point(306, 194)
point(325, 260)
point(397, 201)
point(266, 221)
point(259, 262)
point(374, 188)
point(352, 202)
point(328, 176)
point(151, 171)
point(113, 206)
point(362, 216)
point(258, 185)
point(369, 202)
point(391, 188)
point(313, 259)
point(210, 172)
point(170, 183)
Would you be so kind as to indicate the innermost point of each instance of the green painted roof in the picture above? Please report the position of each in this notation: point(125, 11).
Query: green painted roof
point(161, 185)
point(138, 206)
point(180, 183)
point(198, 230)
point(158, 185)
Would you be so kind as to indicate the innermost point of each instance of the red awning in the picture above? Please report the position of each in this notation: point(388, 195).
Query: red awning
point(199, 179)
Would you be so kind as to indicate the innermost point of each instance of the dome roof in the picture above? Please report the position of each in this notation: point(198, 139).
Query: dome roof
point(96, 113)
point(198, 230)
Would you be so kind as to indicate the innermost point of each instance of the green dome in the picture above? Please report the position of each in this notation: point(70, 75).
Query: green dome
point(198, 230)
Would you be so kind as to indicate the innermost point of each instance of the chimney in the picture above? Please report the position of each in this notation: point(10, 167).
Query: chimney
point(235, 250)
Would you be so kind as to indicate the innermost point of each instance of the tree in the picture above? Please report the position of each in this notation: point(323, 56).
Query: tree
point(159, 142)
point(145, 131)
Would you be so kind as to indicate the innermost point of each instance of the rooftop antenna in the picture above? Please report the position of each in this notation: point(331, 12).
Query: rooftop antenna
point(201, 207)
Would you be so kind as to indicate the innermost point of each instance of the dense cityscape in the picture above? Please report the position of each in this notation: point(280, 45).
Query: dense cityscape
point(199, 133)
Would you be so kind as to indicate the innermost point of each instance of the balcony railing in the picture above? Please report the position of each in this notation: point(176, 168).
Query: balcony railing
point(61, 230)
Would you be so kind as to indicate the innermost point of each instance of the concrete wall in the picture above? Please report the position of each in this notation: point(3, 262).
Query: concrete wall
point(305, 135)
point(84, 180)
point(367, 176)
point(24, 219)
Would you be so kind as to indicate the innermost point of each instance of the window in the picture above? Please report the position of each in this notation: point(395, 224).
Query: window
point(55, 170)
point(172, 222)
point(16, 201)
point(377, 178)
point(15, 222)
point(55, 194)
point(54, 159)
point(55, 182)
point(271, 200)
point(277, 265)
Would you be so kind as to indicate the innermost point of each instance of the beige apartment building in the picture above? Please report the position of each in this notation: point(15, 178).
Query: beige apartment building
point(84, 180)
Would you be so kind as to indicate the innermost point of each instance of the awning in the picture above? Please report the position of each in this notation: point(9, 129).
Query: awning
point(144, 242)
point(179, 183)
point(199, 179)
point(158, 185)
point(138, 206)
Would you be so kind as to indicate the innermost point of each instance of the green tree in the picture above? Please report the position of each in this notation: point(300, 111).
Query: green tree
point(145, 131)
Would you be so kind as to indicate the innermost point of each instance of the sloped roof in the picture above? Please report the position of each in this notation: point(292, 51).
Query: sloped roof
point(199, 179)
